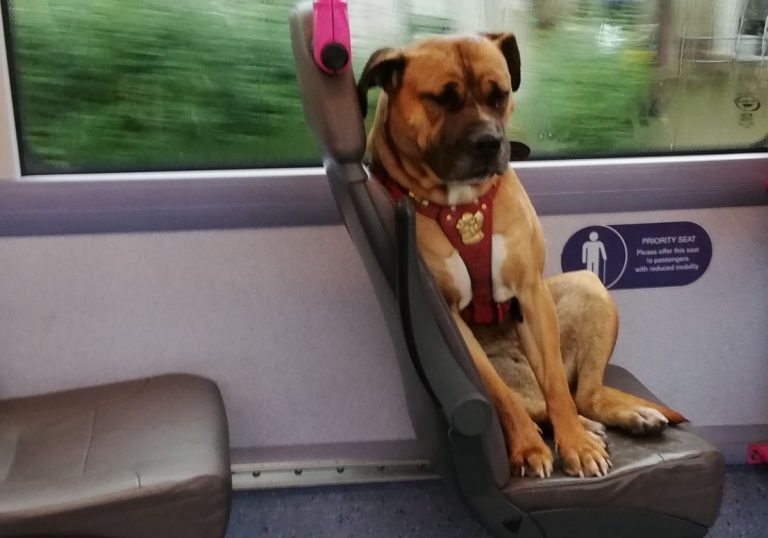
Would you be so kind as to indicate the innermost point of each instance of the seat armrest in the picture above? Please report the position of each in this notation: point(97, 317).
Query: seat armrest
point(467, 411)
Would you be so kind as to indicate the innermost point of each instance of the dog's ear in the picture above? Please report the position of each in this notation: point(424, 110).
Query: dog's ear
point(384, 69)
point(508, 45)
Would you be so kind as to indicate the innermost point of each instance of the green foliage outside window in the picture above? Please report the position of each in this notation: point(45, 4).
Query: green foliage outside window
point(111, 85)
point(147, 84)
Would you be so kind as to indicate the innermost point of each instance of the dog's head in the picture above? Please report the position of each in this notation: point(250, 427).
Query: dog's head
point(448, 100)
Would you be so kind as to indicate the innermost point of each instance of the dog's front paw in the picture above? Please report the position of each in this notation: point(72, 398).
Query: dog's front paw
point(529, 454)
point(582, 452)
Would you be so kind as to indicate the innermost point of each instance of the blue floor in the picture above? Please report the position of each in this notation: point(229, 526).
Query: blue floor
point(424, 510)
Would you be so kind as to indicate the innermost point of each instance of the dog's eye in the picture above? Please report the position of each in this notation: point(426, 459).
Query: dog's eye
point(448, 98)
point(498, 97)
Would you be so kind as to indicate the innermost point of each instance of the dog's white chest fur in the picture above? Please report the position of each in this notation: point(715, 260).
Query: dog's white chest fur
point(461, 194)
point(502, 291)
point(460, 277)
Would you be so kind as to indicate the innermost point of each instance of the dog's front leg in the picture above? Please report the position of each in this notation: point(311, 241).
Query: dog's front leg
point(540, 339)
point(525, 446)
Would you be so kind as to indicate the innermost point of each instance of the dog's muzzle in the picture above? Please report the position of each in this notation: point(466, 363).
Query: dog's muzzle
point(472, 158)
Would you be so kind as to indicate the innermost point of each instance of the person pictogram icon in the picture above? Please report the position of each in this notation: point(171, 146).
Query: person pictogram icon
point(592, 252)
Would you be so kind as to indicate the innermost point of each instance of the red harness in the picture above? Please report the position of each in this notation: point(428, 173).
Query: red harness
point(469, 228)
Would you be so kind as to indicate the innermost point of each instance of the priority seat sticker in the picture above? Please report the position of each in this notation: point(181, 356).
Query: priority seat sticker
point(653, 255)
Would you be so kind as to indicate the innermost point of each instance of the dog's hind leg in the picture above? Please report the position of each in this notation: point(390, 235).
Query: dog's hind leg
point(588, 329)
point(636, 415)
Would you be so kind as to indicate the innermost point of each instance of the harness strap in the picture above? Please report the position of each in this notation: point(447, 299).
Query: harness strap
point(469, 228)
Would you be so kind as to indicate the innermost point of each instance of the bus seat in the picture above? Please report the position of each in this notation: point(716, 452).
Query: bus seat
point(668, 486)
point(140, 459)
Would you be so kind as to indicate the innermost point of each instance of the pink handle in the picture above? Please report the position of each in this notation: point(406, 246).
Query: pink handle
point(331, 47)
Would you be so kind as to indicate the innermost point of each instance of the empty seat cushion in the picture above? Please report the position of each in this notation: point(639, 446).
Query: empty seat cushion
point(146, 458)
point(675, 473)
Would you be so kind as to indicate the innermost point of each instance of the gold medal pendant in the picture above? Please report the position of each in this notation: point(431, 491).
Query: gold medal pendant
point(470, 227)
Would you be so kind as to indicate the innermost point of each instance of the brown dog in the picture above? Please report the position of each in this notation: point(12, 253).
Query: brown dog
point(542, 346)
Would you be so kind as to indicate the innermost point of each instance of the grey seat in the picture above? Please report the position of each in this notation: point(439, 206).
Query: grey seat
point(669, 486)
point(140, 459)
point(676, 473)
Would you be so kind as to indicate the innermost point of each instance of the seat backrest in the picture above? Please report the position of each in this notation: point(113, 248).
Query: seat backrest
point(332, 112)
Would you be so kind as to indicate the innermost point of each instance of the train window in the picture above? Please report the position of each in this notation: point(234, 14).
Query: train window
point(105, 85)
point(605, 78)
point(108, 85)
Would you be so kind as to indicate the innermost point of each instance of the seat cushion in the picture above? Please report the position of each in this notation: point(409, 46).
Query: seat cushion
point(674, 473)
point(146, 458)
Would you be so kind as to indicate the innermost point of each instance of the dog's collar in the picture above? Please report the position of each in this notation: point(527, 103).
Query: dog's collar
point(469, 228)
point(426, 207)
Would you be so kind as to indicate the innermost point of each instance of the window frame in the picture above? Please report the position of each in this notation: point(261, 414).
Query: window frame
point(268, 197)
point(10, 165)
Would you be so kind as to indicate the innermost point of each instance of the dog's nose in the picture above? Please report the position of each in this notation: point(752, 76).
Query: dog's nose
point(487, 146)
